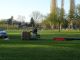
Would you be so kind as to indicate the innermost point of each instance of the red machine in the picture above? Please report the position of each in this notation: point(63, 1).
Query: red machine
point(62, 38)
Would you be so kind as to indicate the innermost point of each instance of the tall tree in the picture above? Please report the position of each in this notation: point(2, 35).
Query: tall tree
point(71, 13)
point(53, 6)
point(72, 8)
point(78, 11)
point(62, 10)
point(53, 14)
point(77, 15)
point(61, 18)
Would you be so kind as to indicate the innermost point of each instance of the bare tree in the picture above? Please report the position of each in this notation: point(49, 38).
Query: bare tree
point(37, 16)
point(21, 18)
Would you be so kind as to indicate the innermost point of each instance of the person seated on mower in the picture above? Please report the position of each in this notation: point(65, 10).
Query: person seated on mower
point(34, 33)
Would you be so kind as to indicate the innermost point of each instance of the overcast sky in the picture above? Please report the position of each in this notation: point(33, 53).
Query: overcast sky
point(14, 8)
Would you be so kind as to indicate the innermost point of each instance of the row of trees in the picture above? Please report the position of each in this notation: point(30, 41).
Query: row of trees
point(58, 19)
point(20, 23)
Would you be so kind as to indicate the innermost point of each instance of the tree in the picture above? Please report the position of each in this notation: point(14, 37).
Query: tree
point(71, 13)
point(45, 22)
point(52, 19)
point(21, 18)
point(53, 14)
point(37, 16)
point(10, 20)
point(53, 6)
point(32, 23)
point(61, 18)
point(77, 15)
point(77, 12)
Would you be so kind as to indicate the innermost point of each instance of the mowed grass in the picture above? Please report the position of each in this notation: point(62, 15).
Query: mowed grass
point(41, 49)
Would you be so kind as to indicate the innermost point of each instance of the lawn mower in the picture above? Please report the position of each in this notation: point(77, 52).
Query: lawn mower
point(29, 36)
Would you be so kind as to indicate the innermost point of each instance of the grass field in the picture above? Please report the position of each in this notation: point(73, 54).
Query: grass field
point(42, 49)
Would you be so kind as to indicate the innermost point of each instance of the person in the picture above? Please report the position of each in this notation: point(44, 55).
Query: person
point(34, 33)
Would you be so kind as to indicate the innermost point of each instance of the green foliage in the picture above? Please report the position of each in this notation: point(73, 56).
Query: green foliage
point(53, 18)
point(77, 12)
point(56, 18)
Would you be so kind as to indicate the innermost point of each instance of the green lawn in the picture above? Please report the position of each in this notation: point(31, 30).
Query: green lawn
point(43, 49)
